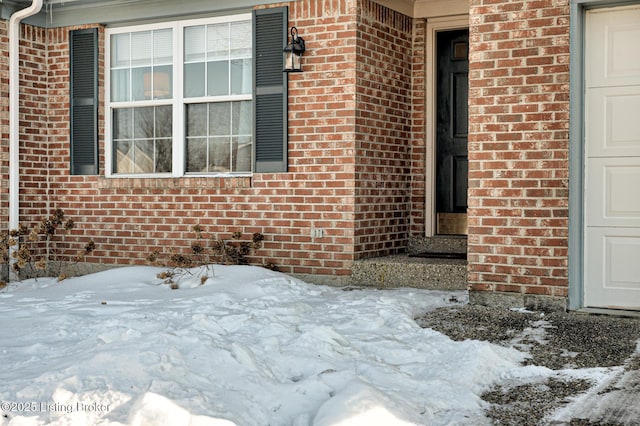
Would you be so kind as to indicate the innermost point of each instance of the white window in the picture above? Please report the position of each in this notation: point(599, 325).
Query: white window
point(179, 98)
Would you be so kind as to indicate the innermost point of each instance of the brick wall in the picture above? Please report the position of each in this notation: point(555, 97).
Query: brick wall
point(383, 130)
point(518, 146)
point(418, 160)
point(321, 134)
point(356, 152)
point(33, 119)
point(128, 218)
point(4, 125)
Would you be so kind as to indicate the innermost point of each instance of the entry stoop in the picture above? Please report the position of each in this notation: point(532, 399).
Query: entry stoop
point(437, 263)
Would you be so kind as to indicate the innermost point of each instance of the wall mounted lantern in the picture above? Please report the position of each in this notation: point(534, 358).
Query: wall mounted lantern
point(293, 52)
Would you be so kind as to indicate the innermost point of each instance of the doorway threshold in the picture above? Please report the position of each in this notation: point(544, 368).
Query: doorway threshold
point(439, 255)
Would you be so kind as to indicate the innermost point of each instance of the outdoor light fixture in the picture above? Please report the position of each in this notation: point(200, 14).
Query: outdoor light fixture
point(293, 52)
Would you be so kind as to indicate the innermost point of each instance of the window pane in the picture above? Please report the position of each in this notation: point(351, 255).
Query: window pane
point(143, 123)
point(119, 85)
point(122, 123)
point(241, 77)
point(242, 118)
point(194, 44)
point(219, 155)
point(124, 157)
point(164, 126)
point(141, 80)
point(194, 80)
point(141, 48)
point(197, 155)
point(217, 41)
point(157, 84)
point(142, 140)
point(163, 156)
point(120, 54)
point(143, 156)
point(242, 150)
point(218, 78)
point(196, 119)
point(162, 47)
point(230, 137)
point(220, 118)
point(240, 39)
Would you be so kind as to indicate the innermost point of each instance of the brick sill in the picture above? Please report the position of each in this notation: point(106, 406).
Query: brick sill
point(228, 182)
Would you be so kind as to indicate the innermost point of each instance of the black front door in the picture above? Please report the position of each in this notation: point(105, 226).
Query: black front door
point(451, 134)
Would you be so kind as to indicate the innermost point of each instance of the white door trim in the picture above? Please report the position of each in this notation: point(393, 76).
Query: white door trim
point(434, 25)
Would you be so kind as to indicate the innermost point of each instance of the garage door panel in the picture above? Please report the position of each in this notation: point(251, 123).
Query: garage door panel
point(614, 191)
point(614, 125)
point(612, 158)
point(613, 268)
point(612, 57)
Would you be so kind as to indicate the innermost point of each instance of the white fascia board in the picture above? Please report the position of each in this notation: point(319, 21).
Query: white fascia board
point(64, 13)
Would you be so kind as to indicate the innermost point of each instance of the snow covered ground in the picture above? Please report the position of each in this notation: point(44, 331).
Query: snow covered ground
point(249, 347)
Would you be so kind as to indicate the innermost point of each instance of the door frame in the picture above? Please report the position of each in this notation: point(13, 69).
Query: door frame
point(576, 251)
point(434, 26)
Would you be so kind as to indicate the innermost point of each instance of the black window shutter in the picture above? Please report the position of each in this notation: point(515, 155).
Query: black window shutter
point(83, 47)
point(270, 89)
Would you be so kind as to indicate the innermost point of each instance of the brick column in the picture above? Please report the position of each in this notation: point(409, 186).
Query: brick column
point(518, 146)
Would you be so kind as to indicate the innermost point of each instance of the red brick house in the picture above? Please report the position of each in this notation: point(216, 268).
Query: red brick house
point(513, 123)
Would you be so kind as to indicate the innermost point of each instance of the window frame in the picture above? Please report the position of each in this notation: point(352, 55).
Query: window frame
point(177, 101)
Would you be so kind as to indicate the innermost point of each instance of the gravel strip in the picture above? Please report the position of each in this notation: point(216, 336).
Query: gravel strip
point(556, 340)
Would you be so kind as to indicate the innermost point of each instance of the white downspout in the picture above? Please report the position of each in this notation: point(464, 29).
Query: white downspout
point(14, 110)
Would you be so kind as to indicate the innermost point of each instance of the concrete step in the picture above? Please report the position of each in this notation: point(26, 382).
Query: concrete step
point(410, 271)
point(438, 244)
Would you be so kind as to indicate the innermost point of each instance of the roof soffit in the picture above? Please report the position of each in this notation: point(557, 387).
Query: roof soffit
point(427, 8)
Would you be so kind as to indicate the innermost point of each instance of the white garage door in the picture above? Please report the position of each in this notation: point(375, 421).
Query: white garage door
point(612, 158)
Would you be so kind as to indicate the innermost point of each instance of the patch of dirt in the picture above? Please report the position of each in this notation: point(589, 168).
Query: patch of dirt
point(586, 341)
point(556, 340)
point(633, 364)
point(584, 422)
point(526, 404)
point(477, 322)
